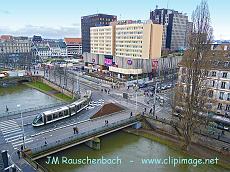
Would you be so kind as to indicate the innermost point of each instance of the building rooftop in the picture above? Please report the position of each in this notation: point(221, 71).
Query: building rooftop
point(217, 60)
point(99, 14)
point(72, 40)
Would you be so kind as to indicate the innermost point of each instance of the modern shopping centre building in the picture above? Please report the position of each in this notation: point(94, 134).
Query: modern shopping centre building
point(125, 47)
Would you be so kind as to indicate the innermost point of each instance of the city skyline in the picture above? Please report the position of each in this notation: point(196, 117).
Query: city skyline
point(62, 19)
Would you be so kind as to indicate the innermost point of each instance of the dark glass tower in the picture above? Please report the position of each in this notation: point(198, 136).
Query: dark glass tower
point(92, 21)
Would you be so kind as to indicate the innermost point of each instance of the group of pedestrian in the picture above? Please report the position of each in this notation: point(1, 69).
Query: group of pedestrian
point(105, 90)
point(106, 122)
point(75, 130)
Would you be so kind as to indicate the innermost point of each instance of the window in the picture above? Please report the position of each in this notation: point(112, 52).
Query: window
point(224, 75)
point(223, 85)
point(228, 98)
point(214, 73)
point(227, 108)
point(219, 107)
point(213, 83)
point(210, 94)
point(221, 96)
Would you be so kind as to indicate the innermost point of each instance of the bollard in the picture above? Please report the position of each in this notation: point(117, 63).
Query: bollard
point(5, 160)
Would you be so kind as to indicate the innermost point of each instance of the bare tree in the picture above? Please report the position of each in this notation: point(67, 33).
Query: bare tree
point(191, 93)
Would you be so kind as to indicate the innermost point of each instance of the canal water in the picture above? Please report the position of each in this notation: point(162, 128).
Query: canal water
point(25, 96)
point(131, 149)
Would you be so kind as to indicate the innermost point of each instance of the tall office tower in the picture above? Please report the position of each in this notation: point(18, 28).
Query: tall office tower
point(174, 28)
point(91, 21)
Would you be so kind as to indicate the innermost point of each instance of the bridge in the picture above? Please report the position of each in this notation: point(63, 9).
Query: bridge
point(90, 130)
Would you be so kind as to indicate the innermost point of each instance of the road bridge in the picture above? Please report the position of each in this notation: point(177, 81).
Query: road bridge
point(63, 138)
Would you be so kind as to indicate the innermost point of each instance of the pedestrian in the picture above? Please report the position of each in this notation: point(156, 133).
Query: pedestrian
point(74, 130)
point(143, 113)
point(105, 122)
point(7, 109)
point(145, 110)
point(150, 111)
point(21, 147)
point(131, 114)
point(45, 142)
point(222, 132)
point(18, 152)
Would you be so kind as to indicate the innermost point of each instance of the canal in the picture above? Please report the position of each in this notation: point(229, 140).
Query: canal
point(25, 96)
point(131, 149)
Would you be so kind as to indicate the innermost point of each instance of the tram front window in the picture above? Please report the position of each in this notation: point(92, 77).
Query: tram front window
point(38, 119)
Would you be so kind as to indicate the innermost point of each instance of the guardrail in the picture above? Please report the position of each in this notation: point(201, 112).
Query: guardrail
point(85, 136)
point(6, 114)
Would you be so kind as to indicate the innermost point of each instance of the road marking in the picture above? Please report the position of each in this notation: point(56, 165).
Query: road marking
point(8, 125)
point(21, 140)
point(8, 121)
point(10, 131)
point(19, 132)
point(10, 128)
point(9, 138)
point(22, 143)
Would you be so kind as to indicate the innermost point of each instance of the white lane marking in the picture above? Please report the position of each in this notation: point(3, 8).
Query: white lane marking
point(9, 138)
point(11, 134)
point(10, 128)
point(10, 131)
point(21, 143)
point(8, 121)
point(8, 125)
point(15, 143)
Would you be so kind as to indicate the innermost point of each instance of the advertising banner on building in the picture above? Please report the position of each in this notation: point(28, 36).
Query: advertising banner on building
point(108, 62)
point(154, 64)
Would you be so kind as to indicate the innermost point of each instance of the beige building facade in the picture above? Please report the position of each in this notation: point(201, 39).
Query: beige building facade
point(131, 44)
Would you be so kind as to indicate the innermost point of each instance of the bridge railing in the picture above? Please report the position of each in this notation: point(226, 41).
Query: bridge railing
point(10, 113)
point(82, 136)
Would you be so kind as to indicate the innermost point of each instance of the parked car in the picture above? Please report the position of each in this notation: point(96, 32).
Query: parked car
point(169, 86)
point(142, 85)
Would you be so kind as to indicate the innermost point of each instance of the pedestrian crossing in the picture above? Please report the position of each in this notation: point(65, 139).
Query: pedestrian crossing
point(13, 133)
point(93, 104)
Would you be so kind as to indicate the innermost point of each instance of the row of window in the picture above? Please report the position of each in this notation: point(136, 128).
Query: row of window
point(223, 85)
point(129, 33)
point(221, 107)
point(129, 50)
point(221, 96)
point(224, 74)
point(129, 37)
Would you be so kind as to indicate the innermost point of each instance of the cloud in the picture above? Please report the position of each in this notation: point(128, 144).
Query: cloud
point(4, 11)
point(76, 24)
point(44, 31)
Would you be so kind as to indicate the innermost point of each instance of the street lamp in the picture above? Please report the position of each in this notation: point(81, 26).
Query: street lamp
point(23, 135)
point(136, 88)
point(154, 100)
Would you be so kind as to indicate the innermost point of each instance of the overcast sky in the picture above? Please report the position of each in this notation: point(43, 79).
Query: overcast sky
point(62, 18)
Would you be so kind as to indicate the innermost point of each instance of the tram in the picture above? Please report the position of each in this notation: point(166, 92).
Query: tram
point(53, 115)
